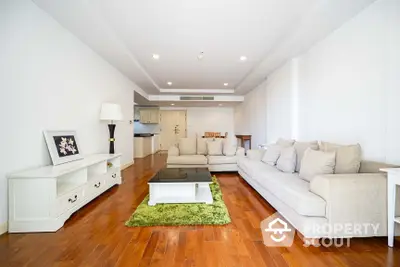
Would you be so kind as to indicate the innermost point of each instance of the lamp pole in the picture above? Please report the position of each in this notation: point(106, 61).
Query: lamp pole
point(111, 129)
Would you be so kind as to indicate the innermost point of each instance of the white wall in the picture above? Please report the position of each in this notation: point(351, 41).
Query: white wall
point(280, 103)
point(349, 84)
point(251, 115)
point(51, 80)
point(206, 119)
point(345, 89)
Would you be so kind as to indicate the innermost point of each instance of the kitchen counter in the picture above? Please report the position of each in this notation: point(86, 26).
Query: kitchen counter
point(146, 144)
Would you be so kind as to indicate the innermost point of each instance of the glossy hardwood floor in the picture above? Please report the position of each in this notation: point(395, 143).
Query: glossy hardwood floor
point(96, 235)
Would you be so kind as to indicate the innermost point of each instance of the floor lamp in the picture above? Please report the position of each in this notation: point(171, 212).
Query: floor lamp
point(111, 112)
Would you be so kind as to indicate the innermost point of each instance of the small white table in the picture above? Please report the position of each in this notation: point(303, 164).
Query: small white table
point(178, 185)
point(392, 182)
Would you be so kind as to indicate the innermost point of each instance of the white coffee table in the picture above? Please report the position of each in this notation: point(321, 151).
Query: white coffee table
point(179, 185)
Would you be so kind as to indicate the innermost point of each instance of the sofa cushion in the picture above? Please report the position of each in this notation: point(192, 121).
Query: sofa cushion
point(272, 154)
point(228, 149)
point(201, 146)
point(284, 142)
point(287, 160)
point(251, 167)
point(216, 160)
point(187, 160)
point(348, 157)
point(173, 151)
point(300, 147)
point(187, 146)
point(316, 162)
point(292, 190)
point(214, 148)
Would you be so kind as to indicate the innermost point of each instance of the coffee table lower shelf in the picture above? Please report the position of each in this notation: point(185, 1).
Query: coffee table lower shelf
point(179, 193)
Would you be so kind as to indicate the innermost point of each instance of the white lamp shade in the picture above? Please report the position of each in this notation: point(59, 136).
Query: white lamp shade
point(110, 112)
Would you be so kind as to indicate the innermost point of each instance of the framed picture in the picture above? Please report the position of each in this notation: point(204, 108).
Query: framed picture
point(63, 146)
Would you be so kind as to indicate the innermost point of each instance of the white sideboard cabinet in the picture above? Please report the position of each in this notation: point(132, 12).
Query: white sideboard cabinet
point(42, 199)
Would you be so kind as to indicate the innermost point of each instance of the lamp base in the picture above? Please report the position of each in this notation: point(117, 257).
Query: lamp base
point(111, 129)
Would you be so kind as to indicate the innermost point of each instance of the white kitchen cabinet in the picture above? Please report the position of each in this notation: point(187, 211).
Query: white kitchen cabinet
point(143, 146)
point(149, 115)
point(155, 144)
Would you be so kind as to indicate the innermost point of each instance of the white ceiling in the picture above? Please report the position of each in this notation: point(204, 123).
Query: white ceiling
point(127, 32)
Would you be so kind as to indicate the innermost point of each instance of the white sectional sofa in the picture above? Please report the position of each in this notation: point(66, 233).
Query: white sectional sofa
point(321, 207)
point(216, 155)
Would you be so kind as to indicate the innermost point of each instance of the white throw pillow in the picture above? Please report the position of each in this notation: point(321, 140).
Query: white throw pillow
point(272, 154)
point(187, 146)
point(287, 160)
point(348, 158)
point(284, 142)
point(316, 162)
point(229, 150)
point(201, 146)
point(214, 148)
point(300, 147)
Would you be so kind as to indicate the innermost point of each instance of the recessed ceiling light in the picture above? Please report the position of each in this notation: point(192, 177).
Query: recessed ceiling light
point(169, 83)
point(172, 104)
point(243, 58)
point(226, 84)
point(219, 104)
point(156, 56)
point(200, 56)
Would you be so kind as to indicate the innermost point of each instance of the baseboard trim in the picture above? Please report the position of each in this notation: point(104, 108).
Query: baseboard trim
point(127, 165)
point(3, 228)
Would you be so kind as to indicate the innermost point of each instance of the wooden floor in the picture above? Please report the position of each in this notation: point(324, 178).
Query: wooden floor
point(96, 235)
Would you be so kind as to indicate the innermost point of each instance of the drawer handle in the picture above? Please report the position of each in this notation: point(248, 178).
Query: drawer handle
point(73, 200)
point(114, 175)
point(97, 185)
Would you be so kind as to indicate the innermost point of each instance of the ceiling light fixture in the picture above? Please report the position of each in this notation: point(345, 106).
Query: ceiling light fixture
point(226, 84)
point(169, 83)
point(156, 56)
point(172, 104)
point(200, 56)
point(220, 105)
point(243, 58)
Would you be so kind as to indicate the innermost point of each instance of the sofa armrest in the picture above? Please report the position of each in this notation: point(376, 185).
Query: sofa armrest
point(358, 198)
point(240, 152)
point(173, 151)
point(255, 154)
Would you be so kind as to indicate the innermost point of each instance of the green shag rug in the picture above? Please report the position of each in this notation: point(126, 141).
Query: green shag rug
point(182, 214)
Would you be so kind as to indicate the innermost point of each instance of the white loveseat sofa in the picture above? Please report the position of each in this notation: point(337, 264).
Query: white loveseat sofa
point(216, 155)
point(329, 202)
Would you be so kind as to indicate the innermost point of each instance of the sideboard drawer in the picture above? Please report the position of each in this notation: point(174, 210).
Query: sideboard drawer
point(113, 175)
point(95, 187)
point(69, 201)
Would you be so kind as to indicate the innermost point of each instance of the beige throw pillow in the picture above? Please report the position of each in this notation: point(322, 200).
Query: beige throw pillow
point(272, 154)
point(287, 160)
point(187, 146)
point(201, 146)
point(300, 147)
point(316, 162)
point(348, 157)
point(284, 143)
point(214, 148)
